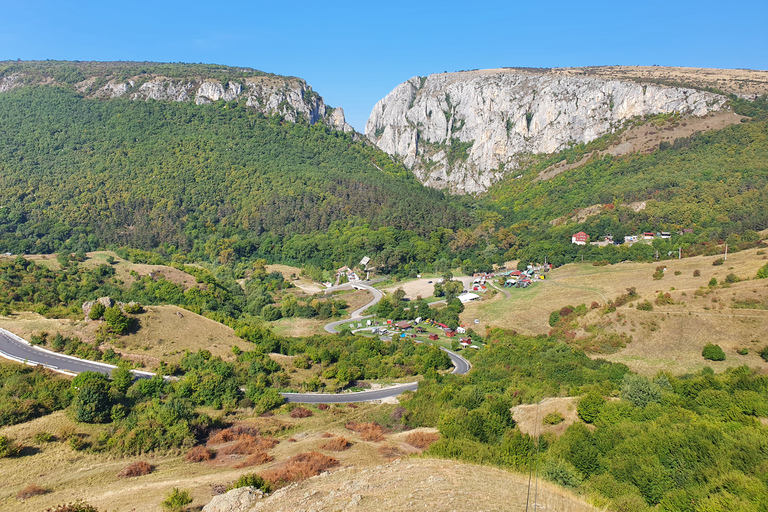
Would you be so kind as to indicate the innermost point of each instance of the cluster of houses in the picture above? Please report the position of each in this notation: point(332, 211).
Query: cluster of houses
point(524, 278)
point(581, 238)
point(404, 327)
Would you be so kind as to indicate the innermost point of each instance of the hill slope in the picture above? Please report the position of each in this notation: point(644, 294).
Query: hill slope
point(84, 172)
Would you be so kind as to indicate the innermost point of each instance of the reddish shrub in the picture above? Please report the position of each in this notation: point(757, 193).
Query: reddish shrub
point(292, 440)
point(139, 468)
point(255, 459)
point(232, 433)
point(368, 431)
point(352, 406)
point(338, 444)
point(421, 440)
point(299, 467)
point(78, 506)
point(301, 412)
point(247, 445)
point(594, 305)
point(29, 491)
point(323, 407)
point(198, 454)
point(327, 434)
point(390, 452)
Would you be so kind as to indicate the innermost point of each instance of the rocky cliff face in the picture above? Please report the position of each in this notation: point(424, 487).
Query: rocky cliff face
point(464, 131)
point(287, 96)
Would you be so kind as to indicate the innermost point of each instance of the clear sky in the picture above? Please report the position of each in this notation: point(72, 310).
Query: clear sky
point(354, 53)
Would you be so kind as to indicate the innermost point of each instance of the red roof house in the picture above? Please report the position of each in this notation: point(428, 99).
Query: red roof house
point(433, 337)
point(579, 238)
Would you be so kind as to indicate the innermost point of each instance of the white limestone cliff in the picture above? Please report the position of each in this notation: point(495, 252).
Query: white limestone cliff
point(465, 131)
point(289, 97)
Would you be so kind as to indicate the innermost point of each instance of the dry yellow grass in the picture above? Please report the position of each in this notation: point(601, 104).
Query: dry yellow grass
point(165, 333)
point(529, 418)
point(668, 338)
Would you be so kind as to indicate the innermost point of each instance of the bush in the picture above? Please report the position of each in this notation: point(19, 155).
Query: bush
point(421, 440)
point(639, 390)
point(97, 311)
point(79, 506)
point(300, 467)
point(139, 468)
point(696, 273)
point(713, 352)
point(553, 418)
point(8, 448)
point(561, 473)
point(29, 491)
point(731, 278)
point(368, 431)
point(590, 406)
point(43, 437)
point(198, 454)
point(743, 351)
point(645, 306)
point(764, 354)
point(762, 273)
point(133, 308)
point(301, 412)
point(251, 480)
point(176, 500)
point(718, 261)
point(713, 282)
point(116, 319)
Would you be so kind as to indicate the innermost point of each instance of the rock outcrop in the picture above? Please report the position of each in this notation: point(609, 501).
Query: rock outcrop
point(464, 131)
point(236, 500)
point(289, 97)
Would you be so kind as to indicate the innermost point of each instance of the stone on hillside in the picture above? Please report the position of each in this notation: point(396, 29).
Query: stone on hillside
point(236, 500)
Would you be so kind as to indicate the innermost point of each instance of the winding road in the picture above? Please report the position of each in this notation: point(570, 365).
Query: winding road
point(18, 349)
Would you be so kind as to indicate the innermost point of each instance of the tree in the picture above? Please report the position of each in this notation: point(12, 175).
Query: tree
point(92, 403)
point(713, 352)
point(590, 406)
point(97, 311)
point(639, 390)
point(116, 319)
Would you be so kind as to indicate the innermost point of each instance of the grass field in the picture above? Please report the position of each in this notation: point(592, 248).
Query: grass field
point(669, 337)
point(165, 333)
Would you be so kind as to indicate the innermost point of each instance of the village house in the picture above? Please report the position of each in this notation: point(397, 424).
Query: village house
point(579, 238)
point(648, 236)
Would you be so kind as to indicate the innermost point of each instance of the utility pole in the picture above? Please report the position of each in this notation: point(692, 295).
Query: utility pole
point(726, 252)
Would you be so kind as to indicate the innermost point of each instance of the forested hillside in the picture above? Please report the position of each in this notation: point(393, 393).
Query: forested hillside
point(82, 173)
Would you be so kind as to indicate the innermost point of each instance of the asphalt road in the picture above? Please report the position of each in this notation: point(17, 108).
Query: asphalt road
point(356, 314)
point(13, 347)
point(341, 398)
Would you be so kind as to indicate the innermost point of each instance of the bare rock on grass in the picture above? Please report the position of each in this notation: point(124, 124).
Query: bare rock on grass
point(236, 500)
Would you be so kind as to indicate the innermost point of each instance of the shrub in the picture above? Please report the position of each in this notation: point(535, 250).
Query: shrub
point(743, 351)
point(639, 390)
point(78, 506)
point(198, 454)
point(368, 431)
point(421, 440)
point(731, 278)
point(764, 354)
point(659, 272)
point(323, 407)
point(590, 406)
point(718, 261)
point(561, 473)
point(29, 491)
point(139, 468)
point(97, 311)
point(176, 500)
point(338, 444)
point(553, 418)
point(300, 467)
point(301, 412)
point(713, 352)
point(697, 273)
point(8, 448)
point(645, 306)
point(251, 480)
point(713, 282)
point(594, 305)
point(554, 317)
point(133, 308)
point(43, 437)
point(255, 459)
point(762, 273)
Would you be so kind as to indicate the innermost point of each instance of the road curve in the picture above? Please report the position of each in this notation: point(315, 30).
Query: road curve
point(356, 314)
point(18, 349)
point(341, 398)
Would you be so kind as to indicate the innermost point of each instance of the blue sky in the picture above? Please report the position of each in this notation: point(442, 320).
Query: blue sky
point(354, 53)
